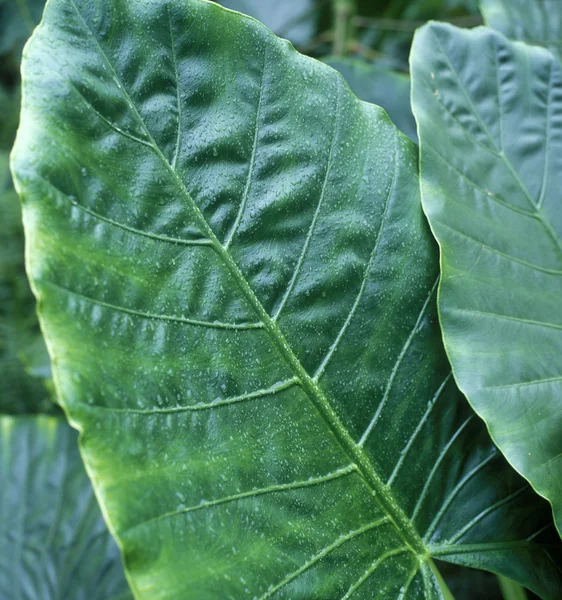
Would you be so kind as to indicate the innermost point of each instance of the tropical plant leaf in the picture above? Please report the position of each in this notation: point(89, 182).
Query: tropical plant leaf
point(381, 85)
point(537, 22)
point(53, 540)
point(237, 286)
point(490, 115)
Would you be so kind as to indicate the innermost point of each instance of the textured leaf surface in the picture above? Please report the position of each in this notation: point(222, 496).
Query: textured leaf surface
point(537, 22)
point(53, 540)
point(381, 85)
point(237, 285)
point(490, 119)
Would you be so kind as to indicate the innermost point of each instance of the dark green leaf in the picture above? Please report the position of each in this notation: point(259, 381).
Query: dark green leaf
point(490, 119)
point(537, 22)
point(53, 541)
point(380, 85)
point(237, 285)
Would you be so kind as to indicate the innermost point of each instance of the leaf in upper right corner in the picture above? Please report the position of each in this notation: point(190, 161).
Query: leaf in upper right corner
point(537, 22)
point(489, 113)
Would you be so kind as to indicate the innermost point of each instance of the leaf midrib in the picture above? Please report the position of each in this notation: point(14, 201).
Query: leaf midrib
point(382, 492)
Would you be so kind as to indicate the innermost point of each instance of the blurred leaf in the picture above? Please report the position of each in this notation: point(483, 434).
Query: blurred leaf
point(296, 20)
point(24, 363)
point(18, 18)
point(54, 544)
point(380, 85)
point(9, 118)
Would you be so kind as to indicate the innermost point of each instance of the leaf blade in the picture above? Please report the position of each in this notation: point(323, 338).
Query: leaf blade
point(498, 235)
point(280, 474)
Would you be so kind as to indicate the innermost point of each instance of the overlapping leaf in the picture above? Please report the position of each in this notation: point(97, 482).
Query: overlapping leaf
point(53, 540)
point(490, 119)
point(237, 285)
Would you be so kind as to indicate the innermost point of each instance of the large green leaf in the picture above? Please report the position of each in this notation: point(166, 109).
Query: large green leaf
point(53, 540)
point(237, 286)
point(490, 119)
point(537, 22)
point(382, 85)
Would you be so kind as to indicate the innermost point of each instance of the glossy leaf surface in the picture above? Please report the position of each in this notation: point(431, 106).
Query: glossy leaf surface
point(381, 85)
point(490, 120)
point(237, 286)
point(537, 22)
point(53, 540)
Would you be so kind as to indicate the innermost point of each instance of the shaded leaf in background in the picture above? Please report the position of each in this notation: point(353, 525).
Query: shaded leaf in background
point(537, 22)
point(296, 20)
point(490, 118)
point(17, 21)
point(24, 362)
point(9, 117)
point(381, 85)
point(237, 285)
point(53, 541)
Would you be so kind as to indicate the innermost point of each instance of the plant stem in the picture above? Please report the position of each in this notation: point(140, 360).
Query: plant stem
point(344, 11)
point(442, 585)
point(511, 590)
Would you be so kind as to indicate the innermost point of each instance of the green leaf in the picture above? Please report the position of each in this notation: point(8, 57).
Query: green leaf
point(537, 22)
point(237, 286)
point(53, 540)
point(490, 116)
point(382, 85)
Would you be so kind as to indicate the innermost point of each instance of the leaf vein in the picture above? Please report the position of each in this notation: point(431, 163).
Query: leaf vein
point(281, 487)
point(155, 317)
point(263, 393)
